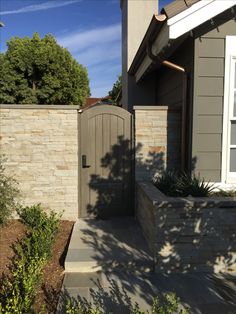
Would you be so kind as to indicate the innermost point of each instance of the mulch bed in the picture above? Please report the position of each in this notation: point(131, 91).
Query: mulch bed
point(49, 290)
point(9, 234)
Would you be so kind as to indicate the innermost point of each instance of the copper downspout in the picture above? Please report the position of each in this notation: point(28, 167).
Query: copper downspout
point(178, 68)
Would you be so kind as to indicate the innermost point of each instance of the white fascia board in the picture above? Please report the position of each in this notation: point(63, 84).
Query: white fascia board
point(196, 15)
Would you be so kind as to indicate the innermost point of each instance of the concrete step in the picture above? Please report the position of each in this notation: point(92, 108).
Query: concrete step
point(104, 245)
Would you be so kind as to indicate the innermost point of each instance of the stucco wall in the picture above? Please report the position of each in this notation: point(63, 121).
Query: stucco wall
point(41, 146)
point(157, 140)
point(136, 16)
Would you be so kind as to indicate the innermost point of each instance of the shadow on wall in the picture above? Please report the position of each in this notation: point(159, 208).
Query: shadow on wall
point(195, 238)
point(114, 191)
point(188, 234)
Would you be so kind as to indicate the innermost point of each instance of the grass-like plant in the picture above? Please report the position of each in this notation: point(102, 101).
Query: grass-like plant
point(9, 193)
point(182, 185)
point(17, 292)
point(194, 186)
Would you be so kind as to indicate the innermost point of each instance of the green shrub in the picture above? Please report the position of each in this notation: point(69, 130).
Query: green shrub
point(17, 293)
point(36, 218)
point(9, 193)
point(167, 304)
point(182, 185)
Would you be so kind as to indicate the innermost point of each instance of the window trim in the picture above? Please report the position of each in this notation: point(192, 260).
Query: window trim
point(230, 55)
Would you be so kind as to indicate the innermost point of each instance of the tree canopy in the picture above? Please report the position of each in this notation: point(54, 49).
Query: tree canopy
point(39, 71)
point(115, 90)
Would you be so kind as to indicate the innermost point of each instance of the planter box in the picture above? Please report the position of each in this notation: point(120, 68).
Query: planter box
point(188, 234)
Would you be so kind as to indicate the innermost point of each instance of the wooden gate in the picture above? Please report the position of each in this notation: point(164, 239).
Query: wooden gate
point(106, 161)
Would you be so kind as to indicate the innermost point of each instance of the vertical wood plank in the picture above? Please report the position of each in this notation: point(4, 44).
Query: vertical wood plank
point(120, 130)
point(106, 140)
point(114, 130)
point(91, 158)
point(99, 140)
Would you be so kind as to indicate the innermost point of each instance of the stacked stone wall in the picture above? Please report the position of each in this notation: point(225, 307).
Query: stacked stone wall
point(41, 147)
point(188, 234)
point(157, 138)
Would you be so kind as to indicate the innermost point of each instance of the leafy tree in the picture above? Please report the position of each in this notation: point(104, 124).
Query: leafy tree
point(116, 89)
point(39, 71)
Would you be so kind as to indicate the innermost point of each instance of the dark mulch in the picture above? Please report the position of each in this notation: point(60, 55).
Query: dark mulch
point(13, 231)
point(49, 290)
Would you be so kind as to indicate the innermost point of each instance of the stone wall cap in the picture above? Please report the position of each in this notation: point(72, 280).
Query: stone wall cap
point(160, 200)
point(31, 106)
point(157, 107)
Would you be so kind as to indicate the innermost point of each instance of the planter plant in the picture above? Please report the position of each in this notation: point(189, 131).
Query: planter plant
point(183, 185)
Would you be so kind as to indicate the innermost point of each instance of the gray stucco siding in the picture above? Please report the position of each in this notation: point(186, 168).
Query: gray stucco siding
point(208, 98)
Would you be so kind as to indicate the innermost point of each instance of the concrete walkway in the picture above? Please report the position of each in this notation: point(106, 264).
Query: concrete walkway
point(108, 263)
point(107, 244)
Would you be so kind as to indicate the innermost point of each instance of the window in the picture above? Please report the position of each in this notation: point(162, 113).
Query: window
point(229, 120)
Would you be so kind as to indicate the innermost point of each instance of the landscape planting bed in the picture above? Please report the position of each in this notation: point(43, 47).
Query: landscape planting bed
point(48, 291)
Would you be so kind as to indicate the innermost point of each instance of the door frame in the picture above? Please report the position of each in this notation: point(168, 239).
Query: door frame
point(230, 55)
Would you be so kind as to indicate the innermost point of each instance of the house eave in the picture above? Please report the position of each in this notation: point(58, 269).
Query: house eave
point(154, 28)
point(196, 15)
point(166, 35)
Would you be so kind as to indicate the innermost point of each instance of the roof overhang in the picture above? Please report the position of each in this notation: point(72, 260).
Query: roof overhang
point(163, 33)
point(151, 34)
point(196, 15)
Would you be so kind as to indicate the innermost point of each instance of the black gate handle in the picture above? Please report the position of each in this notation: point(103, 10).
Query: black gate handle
point(84, 162)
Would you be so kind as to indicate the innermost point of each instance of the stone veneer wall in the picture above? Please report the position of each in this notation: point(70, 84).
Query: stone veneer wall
point(188, 234)
point(41, 146)
point(157, 138)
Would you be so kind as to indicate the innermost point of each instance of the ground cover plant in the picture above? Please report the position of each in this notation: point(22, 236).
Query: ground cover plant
point(182, 185)
point(9, 193)
point(17, 291)
point(222, 193)
point(167, 304)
